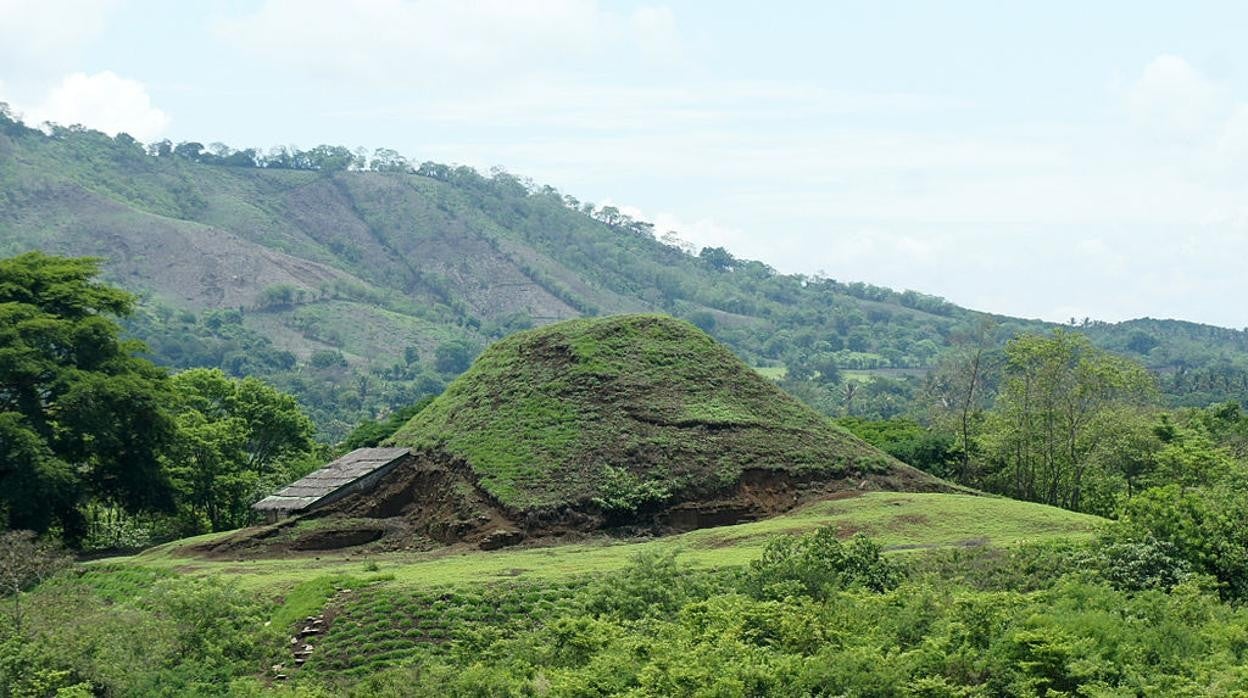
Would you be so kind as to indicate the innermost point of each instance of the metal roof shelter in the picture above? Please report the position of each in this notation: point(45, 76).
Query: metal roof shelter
point(357, 471)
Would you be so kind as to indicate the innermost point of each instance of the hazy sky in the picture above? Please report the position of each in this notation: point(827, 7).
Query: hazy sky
point(1046, 159)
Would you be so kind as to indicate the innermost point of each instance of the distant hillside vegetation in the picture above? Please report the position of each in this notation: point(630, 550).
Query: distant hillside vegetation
point(361, 283)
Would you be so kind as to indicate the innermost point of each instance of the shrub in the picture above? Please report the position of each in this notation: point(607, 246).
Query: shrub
point(1137, 562)
point(817, 564)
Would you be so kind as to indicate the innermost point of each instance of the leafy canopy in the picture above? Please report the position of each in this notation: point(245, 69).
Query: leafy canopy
point(236, 440)
point(81, 415)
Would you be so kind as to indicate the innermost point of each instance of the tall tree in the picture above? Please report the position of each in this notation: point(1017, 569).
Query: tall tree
point(958, 390)
point(1054, 408)
point(81, 415)
point(236, 439)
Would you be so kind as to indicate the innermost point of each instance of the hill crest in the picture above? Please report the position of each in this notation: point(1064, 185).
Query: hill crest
point(634, 408)
point(342, 285)
point(631, 422)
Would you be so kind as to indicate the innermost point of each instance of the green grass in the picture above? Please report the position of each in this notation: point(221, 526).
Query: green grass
point(391, 609)
point(772, 372)
point(900, 522)
point(543, 416)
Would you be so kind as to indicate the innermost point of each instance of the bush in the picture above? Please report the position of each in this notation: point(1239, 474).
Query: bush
point(623, 492)
point(653, 584)
point(817, 564)
point(1207, 528)
point(327, 358)
point(1137, 562)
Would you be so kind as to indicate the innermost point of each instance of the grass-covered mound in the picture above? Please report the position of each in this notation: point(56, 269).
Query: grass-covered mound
point(624, 412)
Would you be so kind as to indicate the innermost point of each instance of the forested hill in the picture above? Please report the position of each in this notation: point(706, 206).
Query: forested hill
point(361, 282)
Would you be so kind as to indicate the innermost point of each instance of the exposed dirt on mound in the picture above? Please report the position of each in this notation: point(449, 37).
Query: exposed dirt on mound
point(433, 495)
point(431, 500)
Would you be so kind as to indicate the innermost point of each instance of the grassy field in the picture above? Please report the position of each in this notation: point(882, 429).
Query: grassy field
point(774, 373)
point(900, 522)
point(391, 610)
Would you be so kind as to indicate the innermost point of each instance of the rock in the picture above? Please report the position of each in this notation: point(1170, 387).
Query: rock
point(500, 538)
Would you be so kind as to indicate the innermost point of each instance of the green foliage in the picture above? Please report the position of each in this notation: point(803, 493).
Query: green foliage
point(1208, 529)
point(909, 442)
point(371, 433)
point(1133, 560)
point(624, 492)
point(453, 357)
point(817, 565)
point(236, 440)
point(1061, 396)
point(159, 636)
point(667, 630)
point(327, 358)
point(624, 410)
point(80, 414)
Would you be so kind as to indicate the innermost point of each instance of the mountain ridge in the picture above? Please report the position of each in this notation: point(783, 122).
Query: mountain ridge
point(363, 280)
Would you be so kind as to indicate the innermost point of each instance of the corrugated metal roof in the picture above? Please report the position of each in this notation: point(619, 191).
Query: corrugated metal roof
point(306, 491)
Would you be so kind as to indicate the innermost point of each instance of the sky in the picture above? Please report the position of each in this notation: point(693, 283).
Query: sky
point(1051, 160)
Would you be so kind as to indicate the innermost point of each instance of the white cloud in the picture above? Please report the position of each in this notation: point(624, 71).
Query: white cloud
point(1176, 100)
point(695, 234)
point(422, 42)
point(42, 35)
point(1233, 141)
point(103, 101)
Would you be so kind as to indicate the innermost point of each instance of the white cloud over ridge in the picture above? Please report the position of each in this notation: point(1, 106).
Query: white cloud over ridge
point(102, 101)
point(922, 163)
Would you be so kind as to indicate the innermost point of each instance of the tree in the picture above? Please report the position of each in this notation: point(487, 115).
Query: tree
point(718, 258)
point(704, 319)
point(25, 561)
point(81, 415)
point(453, 357)
point(276, 296)
point(234, 438)
point(1052, 413)
point(958, 389)
point(826, 367)
point(1208, 528)
point(387, 160)
point(327, 358)
point(818, 564)
point(189, 150)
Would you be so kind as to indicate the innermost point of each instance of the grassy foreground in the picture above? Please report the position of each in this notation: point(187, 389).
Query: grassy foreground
point(898, 521)
point(590, 618)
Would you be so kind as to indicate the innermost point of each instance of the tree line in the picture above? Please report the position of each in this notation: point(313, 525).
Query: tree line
point(93, 435)
point(1051, 418)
